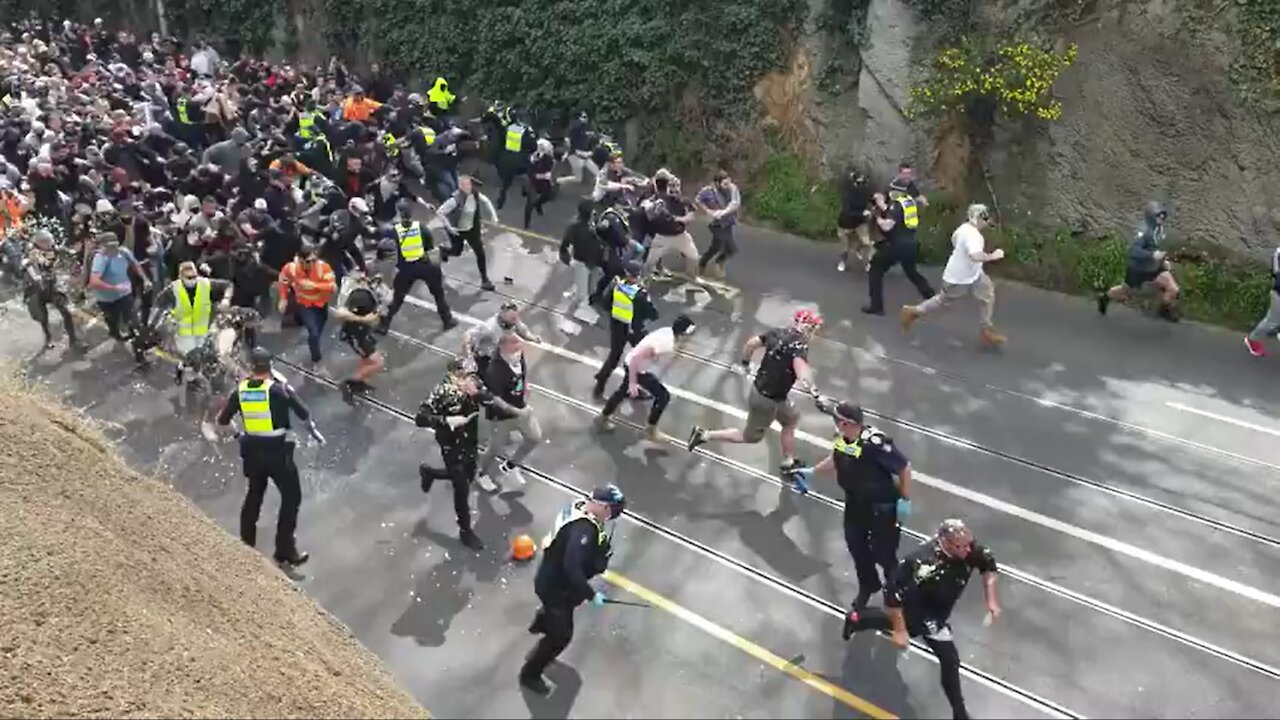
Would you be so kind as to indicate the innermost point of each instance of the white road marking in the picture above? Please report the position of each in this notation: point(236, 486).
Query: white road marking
point(994, 503)
point(1223, 418)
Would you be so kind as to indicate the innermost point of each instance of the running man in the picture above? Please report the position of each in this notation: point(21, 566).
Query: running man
point(1269, 325)
point(964, 276)
point(1148, 263)
point(643, 368)
point(785, 363)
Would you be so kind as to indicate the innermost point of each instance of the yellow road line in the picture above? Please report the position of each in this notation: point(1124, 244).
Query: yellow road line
point(831, 690)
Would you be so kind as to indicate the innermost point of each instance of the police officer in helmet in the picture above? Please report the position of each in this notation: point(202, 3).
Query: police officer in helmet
point(876, 479)
point(577, 549)
point(264, 401)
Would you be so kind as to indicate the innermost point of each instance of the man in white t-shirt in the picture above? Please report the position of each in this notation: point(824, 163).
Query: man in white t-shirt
point(964, 276)
point(643, 367)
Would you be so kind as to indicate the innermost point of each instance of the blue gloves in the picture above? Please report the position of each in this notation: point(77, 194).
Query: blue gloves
point(904, 507)
point(598, 599)
point(800, 480)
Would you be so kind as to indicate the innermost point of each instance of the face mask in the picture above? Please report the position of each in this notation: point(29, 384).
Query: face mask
point(189, 282)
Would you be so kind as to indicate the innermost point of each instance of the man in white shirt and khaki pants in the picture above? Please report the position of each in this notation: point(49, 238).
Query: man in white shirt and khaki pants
point(964, 276)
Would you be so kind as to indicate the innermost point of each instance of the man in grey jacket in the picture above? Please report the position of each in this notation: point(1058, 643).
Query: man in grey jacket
point(228, 154)
point(1148, 263)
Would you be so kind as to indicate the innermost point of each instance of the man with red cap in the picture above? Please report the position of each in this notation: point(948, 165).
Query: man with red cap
point(784, 363)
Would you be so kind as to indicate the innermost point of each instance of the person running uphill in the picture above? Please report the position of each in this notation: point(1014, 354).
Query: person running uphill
point(1148, 263)
point(784, 364)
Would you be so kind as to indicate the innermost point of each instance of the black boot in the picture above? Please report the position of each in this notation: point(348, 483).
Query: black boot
point(470, 539)
point(292, 558)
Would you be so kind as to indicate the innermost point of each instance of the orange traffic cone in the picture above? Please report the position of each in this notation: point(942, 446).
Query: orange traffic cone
point(522, 548)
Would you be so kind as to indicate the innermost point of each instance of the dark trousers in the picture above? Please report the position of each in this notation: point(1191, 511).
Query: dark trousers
point(118, 315)
point(406, 276)
point(871, 534)
point(39, 309)
point(509, 167)
point(459, 469)
point(619, 335)
point(313, 319)
point(274, 464)
point(886, 256)
point(534, 200)
point(648, 381)
point(555, 622)
point(722, 247)
point(472, 238)
point(944, 650)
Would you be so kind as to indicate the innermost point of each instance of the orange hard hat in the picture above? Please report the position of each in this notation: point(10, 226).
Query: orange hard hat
point(522, 548)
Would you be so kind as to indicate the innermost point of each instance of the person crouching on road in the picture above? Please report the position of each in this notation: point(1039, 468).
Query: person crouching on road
point(964, 275)
point(577, 549)
point(506, 377)
point(357, 310)
point(452, 410)
point(643, 368)
point(1148, 263)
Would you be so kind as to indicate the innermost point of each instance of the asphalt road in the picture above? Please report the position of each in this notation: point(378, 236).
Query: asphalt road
point(1121, 469)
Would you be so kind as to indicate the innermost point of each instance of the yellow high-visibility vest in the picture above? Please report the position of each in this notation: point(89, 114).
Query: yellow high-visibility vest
point(183, 116)
point(439, 94)
point(624, 301)
point(428, 135)
point(576, 511)
point(910, 212)
point(515, 137)
point(192, 314)
point(307, 125)
point(410, 236)
point(255, 409)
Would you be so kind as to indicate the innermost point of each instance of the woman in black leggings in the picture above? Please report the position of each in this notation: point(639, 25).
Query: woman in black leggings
point(929, 581)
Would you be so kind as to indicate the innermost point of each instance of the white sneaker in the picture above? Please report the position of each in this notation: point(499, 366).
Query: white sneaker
point(840, 267)
point(570, 293)
point(486, 483)
point(514, 478)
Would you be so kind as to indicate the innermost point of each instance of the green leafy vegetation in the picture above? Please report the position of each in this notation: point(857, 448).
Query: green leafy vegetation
point(1004, 80)
point(1256, 71)
point(784, 194)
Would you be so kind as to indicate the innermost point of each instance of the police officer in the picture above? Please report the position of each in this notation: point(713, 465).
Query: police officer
point(876, 479)
point(630, 311)
point(517, 144)
point(264, 401)
point(452, 410)
point(898, 221)
point(439, 97)
point(927, 584)
point(577, 549)
point(413, 242)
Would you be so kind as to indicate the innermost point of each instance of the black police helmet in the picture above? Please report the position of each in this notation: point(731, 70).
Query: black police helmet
point(260, 359)
point(612, 496)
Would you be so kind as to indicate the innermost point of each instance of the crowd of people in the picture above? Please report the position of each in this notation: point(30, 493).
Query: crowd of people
point(164, 188)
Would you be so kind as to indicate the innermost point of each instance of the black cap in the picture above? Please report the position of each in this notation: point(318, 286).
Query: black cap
point(260, 359)
point(683, 325)
point(849, 412)
point(612, 496)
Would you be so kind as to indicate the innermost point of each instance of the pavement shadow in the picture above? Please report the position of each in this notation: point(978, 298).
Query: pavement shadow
point(870, 657)
point(765, 535)
point(443, 591)
point(565, 682)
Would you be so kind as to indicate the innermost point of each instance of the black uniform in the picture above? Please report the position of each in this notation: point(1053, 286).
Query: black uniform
point(579, 550)
point(410, 271)
point(622, 332)
point(900, 246)
point(867, 467)
point(927, 584)
point(270, 458)
point(41, 289)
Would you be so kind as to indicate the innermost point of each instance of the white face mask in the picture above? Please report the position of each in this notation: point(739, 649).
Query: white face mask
point(189, 282)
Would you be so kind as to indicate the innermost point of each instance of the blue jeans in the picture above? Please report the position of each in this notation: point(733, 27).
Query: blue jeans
point(313, 319)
